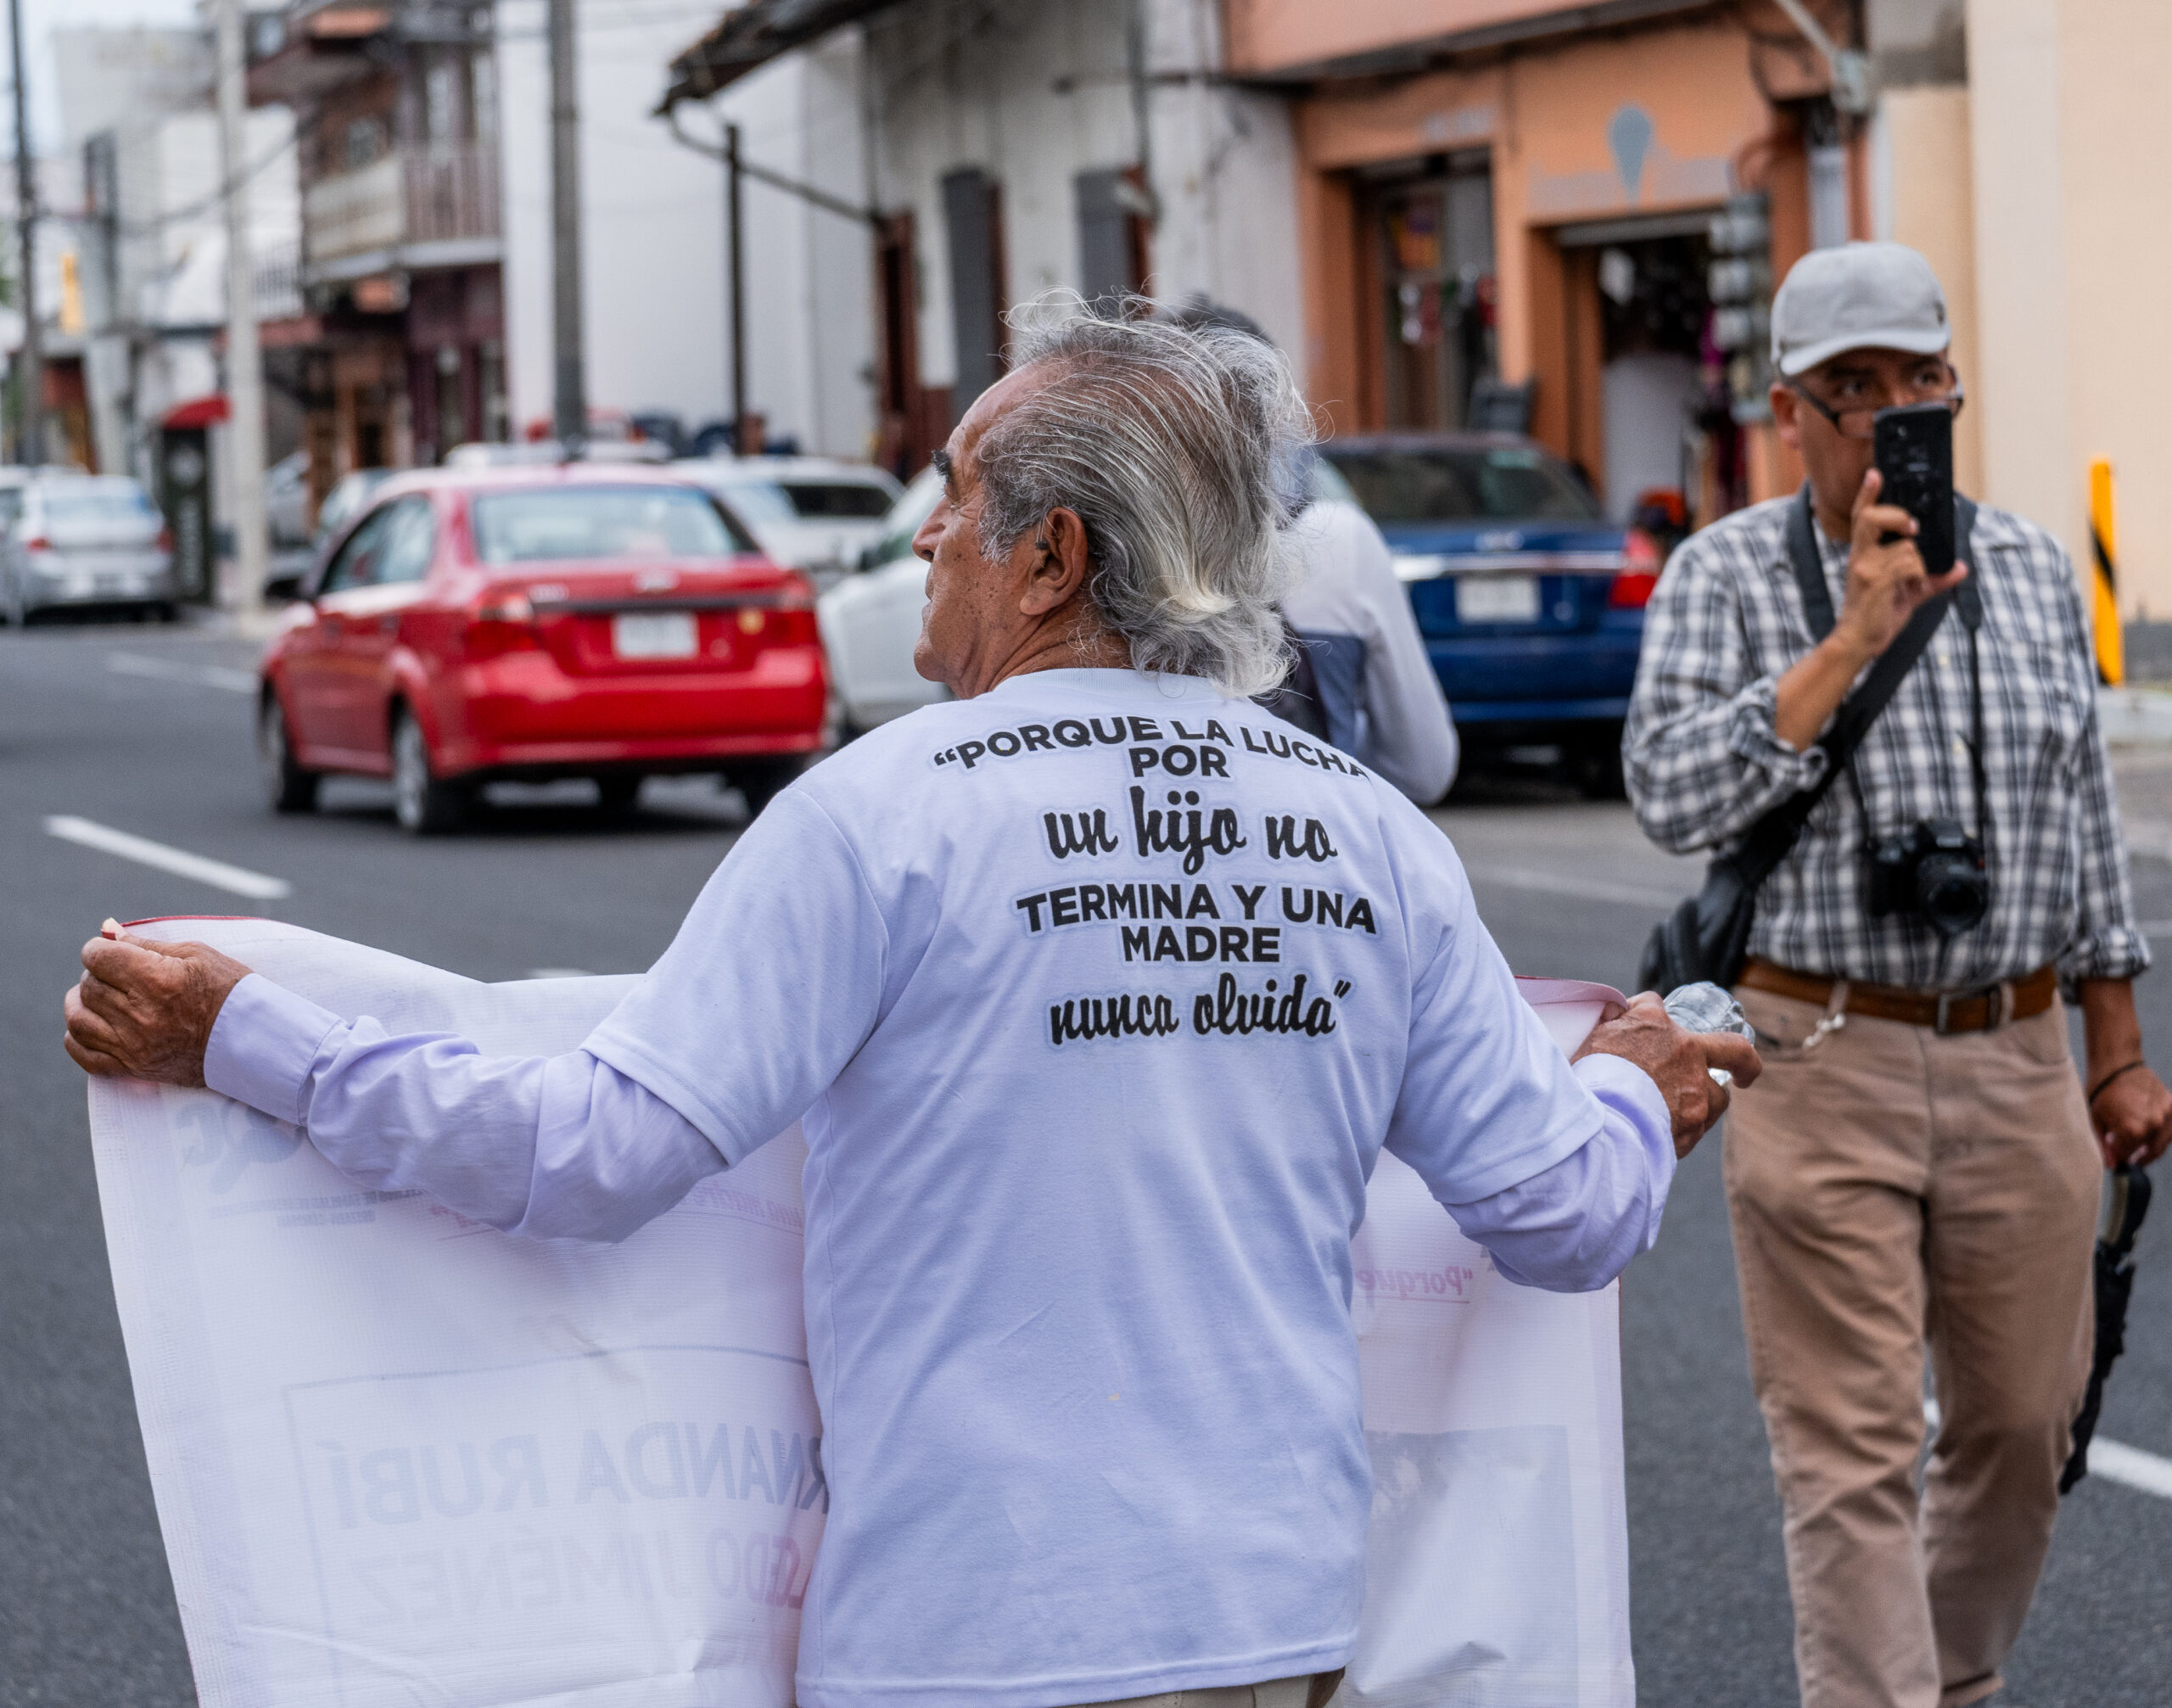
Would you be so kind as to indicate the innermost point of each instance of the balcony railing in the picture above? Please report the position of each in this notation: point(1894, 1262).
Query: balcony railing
point(429, 195)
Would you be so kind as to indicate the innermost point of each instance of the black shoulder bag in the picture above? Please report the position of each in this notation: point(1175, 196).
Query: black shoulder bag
point(1707, 936)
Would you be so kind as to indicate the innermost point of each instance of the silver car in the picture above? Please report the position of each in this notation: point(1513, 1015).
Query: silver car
point(87, 540)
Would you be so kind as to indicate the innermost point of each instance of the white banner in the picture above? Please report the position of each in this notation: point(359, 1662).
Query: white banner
point(401, 1459)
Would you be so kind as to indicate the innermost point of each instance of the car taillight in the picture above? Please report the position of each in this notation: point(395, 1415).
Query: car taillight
point(37, 542)
point(165, 540)
point(504, 622)
point(1639, 574)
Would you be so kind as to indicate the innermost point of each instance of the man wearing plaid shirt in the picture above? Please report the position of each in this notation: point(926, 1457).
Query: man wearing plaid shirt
point(1919, 1162)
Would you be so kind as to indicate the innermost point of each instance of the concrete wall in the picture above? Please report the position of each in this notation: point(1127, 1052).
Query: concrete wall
point(654, 224)
point(2074, 240)
point(1033, 95)
point(1923, 171)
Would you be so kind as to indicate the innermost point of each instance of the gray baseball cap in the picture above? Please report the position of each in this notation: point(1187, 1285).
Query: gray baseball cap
point(1857, 296)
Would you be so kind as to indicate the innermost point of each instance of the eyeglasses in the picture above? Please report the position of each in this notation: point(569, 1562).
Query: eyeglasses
point(1861, 422)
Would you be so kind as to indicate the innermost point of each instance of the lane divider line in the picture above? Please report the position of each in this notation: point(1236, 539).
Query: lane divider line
point(222, 676)
point(2112, 1460)
point(233, 879)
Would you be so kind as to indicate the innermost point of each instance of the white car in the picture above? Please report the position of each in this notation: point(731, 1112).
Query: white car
point(871, 620)
point(816, 514)
point(87, 540)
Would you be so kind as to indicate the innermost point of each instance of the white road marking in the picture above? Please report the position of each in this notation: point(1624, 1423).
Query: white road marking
point(556, 972)
point(2112, 1460)
point(236, 880)
point(222, 676)
point(1583, 888)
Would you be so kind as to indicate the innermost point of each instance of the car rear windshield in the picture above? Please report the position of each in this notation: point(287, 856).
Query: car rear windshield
point(856, 501)
point(537, 527)
point(1438, 483)
point(80, 504)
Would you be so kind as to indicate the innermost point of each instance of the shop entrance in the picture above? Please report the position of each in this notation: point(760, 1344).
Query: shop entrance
point(1429, 226)
point(1650, 412)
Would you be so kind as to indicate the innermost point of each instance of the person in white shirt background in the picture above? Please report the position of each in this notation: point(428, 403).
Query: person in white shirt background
point(1379, 697)
point(1098, 992)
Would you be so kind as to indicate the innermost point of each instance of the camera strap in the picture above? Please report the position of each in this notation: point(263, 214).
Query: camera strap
point(1852, 722)
point(1861, 709)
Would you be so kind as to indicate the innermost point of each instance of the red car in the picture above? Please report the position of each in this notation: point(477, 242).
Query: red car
point(594, 620)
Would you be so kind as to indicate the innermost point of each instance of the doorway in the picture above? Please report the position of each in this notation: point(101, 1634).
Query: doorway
point(1669, 453)
point(1428, 228)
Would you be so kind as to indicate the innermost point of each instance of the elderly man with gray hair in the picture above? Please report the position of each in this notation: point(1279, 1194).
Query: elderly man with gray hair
point(1098, 992)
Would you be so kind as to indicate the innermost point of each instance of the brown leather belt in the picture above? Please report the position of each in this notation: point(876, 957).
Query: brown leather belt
point(1944, 1012)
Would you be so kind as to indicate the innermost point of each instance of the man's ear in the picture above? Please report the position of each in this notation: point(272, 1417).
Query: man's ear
point(1785, 404)
point(1060, 564)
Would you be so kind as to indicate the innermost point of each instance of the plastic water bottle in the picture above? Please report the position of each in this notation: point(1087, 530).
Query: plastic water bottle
point(1705, 1007)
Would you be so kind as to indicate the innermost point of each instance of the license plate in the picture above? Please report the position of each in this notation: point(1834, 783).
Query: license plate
point(654, 635)
point(1497, 598)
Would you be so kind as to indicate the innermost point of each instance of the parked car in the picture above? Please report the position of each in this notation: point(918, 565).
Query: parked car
point(815, 513)
point(871, 619)
point(87, 542)
point(283, 581)
point(606, 621)
point(286, 501)
point(1531, 602)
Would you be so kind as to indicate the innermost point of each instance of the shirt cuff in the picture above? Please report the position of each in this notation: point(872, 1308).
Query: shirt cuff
point(263, 1047)
point(1753, 736)
point(1628, 1091)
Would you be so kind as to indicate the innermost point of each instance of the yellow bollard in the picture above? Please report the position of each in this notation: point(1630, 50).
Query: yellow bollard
point(2104, 607)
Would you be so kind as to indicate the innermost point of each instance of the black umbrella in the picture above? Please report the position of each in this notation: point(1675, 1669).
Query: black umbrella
point(2115, 1281)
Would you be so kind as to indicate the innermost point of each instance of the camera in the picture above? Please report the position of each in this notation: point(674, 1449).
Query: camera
point(1935, 869)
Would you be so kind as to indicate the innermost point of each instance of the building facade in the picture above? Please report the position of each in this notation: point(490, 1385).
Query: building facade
point(401, 328)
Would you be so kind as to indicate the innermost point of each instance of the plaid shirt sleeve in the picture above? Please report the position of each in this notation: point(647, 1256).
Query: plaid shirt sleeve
point(1700, 753)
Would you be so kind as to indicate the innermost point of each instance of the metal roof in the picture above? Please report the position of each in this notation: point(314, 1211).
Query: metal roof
point(750, 36)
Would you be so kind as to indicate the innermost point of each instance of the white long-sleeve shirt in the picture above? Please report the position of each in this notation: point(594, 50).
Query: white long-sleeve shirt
point(1097, 997)
point(1356, 620)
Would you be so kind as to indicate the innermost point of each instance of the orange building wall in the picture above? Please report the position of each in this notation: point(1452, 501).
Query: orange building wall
point(1275, 35)
point(1544, 117)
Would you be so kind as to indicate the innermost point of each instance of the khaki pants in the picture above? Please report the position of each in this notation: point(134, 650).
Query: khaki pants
point(1280, 1693)
point(1890, 1187)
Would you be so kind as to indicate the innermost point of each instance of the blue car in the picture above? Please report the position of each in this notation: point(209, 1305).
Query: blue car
point(1531, 604)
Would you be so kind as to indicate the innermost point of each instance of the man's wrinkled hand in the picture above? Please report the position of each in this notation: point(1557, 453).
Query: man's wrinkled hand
point(145, 1011)
point(1678, 1061)
point(1887, 582)
point(2133, 1118)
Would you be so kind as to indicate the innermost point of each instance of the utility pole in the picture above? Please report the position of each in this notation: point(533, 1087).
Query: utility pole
point(244, 358)
point(29, 366)
point(569, 396)
point(734, 232)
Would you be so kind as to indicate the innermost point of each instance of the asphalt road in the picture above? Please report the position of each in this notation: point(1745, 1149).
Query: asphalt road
point(146, 732)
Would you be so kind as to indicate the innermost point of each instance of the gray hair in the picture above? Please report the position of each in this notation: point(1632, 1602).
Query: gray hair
point(1170, 444)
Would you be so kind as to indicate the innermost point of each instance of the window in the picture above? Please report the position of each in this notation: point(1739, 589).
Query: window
point(410, 539)
point(121, 501)
point(548, 525)
point(365, 143)
point(855, 500)
point(972, 218)
point(441, 104)
point(1507, 484)
point(904, 518)
point(355, 564)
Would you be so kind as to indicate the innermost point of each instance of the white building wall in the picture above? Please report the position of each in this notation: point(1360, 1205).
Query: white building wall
point(1034, 94)
point(653, 232)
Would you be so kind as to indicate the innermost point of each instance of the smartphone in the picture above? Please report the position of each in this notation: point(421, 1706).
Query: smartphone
point(1914, 451)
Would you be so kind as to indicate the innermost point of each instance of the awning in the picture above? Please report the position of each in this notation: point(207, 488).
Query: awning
point(750, 36)
point(198, 412)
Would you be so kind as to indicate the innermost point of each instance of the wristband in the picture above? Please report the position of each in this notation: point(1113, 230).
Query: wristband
point(2098, 1088)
